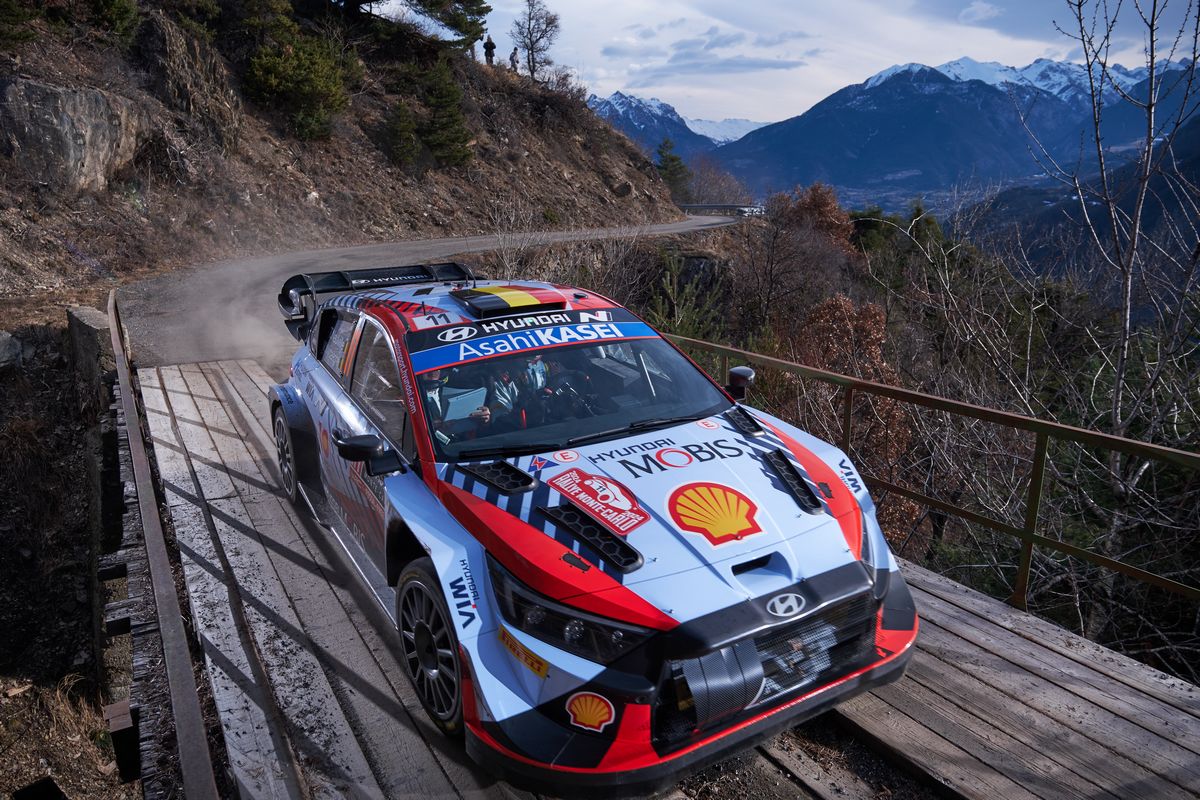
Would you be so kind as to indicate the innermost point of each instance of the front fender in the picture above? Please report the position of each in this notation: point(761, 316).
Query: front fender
point(284, 397)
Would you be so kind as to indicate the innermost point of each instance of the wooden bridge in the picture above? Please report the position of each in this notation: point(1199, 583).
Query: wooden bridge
point(996, 703)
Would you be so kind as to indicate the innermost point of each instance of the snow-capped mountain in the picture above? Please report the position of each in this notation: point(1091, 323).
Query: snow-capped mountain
point(723, 130)
point(648, 122)
point(917, 128)
point(1065, 80)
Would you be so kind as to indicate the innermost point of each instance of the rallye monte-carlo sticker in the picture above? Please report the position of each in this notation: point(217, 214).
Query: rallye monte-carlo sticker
point(605, 500)
point(446, 347)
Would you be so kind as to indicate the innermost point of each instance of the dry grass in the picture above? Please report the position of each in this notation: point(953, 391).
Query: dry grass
point(56, 731)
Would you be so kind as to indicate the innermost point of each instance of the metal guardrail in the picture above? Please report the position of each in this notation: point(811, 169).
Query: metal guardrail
point(195, 760)
point(733, 209)
point(1043, 430)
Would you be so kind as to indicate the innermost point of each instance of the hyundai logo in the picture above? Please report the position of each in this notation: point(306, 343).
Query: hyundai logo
point(457, 334)
point(786, 605)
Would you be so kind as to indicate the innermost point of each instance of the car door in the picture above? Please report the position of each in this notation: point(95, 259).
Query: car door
point(328, 400)
point(378, 408)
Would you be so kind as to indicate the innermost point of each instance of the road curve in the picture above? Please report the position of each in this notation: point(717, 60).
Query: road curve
point(228, 310)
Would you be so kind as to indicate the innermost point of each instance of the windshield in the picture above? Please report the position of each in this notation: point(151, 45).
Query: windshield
point(549, 399)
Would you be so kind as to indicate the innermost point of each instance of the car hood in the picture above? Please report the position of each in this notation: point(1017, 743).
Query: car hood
point(695, 517)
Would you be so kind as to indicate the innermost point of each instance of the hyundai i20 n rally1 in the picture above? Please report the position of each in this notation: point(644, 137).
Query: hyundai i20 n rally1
point(605, 568)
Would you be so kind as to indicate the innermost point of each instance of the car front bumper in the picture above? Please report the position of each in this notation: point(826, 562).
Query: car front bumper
point(624, 756)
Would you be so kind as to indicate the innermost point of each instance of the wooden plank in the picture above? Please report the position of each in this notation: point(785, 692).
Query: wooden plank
point(1043, 692)
point(1172, 734)
point(1083, 756)
point(257, 374)
point(251, 396)
point(927, 751)
point(194, 436)
point(169, 453)
point(1001, 750)
point(235, 458)
point(833, 783)
point(1173, 691)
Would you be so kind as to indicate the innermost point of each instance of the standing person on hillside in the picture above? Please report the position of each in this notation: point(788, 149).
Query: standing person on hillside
point(514, 59)
point(489, 50)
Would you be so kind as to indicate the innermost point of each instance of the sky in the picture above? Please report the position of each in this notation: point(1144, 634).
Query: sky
point(768, 60)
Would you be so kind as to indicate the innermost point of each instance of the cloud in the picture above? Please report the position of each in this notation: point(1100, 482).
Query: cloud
point(633, 50)
point(978, 11)
point(724, 40)
point(686, 64)
point(776, 39)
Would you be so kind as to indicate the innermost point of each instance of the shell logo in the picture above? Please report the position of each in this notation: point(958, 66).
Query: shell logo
point(590, 711)
point(721, 513)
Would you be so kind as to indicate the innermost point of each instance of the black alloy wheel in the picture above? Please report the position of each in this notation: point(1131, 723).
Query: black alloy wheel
point(286, 455)
point(429, 645)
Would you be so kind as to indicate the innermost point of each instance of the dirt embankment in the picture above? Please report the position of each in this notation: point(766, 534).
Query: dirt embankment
point(116, 165)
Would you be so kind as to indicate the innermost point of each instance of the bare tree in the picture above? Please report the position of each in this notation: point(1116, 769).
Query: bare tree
point(1111, 344)
point(713, 184)
point(534, 30)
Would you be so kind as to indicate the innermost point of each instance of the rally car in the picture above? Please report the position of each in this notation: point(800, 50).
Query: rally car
point(606, 569)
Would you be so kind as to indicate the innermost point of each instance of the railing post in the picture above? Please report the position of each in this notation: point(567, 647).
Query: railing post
point(1020, 595)
point(724, 366)
point(847, 416)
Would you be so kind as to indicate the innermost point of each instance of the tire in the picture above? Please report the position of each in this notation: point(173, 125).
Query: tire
point(286, 454)
point(429, 645)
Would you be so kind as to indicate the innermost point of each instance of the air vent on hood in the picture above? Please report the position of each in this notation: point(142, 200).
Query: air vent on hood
point(790, 475)
point(744, 422)
point(612, 548)
point(502, 475)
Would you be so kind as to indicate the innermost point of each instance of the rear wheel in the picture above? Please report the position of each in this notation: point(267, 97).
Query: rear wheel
point(429, 645)
point(286, 455)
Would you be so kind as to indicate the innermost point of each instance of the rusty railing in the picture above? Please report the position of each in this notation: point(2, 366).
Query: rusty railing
point(1044, 431)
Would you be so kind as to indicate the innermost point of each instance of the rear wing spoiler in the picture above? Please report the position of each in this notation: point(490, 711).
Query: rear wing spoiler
point(298, 297)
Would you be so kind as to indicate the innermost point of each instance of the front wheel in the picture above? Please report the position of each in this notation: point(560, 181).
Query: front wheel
point(429, 645)
point(286, 455)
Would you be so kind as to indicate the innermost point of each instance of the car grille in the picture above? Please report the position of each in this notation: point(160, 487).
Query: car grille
point(812, 651)
point(801, 654)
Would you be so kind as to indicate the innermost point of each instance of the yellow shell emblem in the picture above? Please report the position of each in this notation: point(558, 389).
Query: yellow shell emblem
point(721, 513)
point(590, 711)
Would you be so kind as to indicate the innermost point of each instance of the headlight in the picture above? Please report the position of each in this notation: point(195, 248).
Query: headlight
point(594, 638)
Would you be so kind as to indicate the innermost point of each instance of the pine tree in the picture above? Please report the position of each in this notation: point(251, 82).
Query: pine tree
point(403, 146)
point(464, 17)
point(445, 132)
point(674, 172)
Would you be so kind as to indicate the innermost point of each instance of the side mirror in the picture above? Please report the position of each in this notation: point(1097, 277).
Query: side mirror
point(740, 379)
point(360, 448)
point(380, 459)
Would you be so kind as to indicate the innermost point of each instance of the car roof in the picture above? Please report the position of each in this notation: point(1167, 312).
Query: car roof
point(428, 305)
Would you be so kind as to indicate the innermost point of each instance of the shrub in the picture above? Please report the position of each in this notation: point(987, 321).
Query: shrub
point(304, 79)
point(551, 217)
point(403, 145)
point(120, 17)
point(14, 19)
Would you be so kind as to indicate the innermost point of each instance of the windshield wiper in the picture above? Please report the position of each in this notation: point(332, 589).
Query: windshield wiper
point(510, 450)
point(641, 424)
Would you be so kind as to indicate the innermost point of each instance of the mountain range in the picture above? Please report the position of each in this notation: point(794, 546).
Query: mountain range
point(912, 129)
point(648, 122)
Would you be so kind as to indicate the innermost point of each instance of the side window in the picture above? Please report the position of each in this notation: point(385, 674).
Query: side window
point(333, 338)
point(376, 386)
